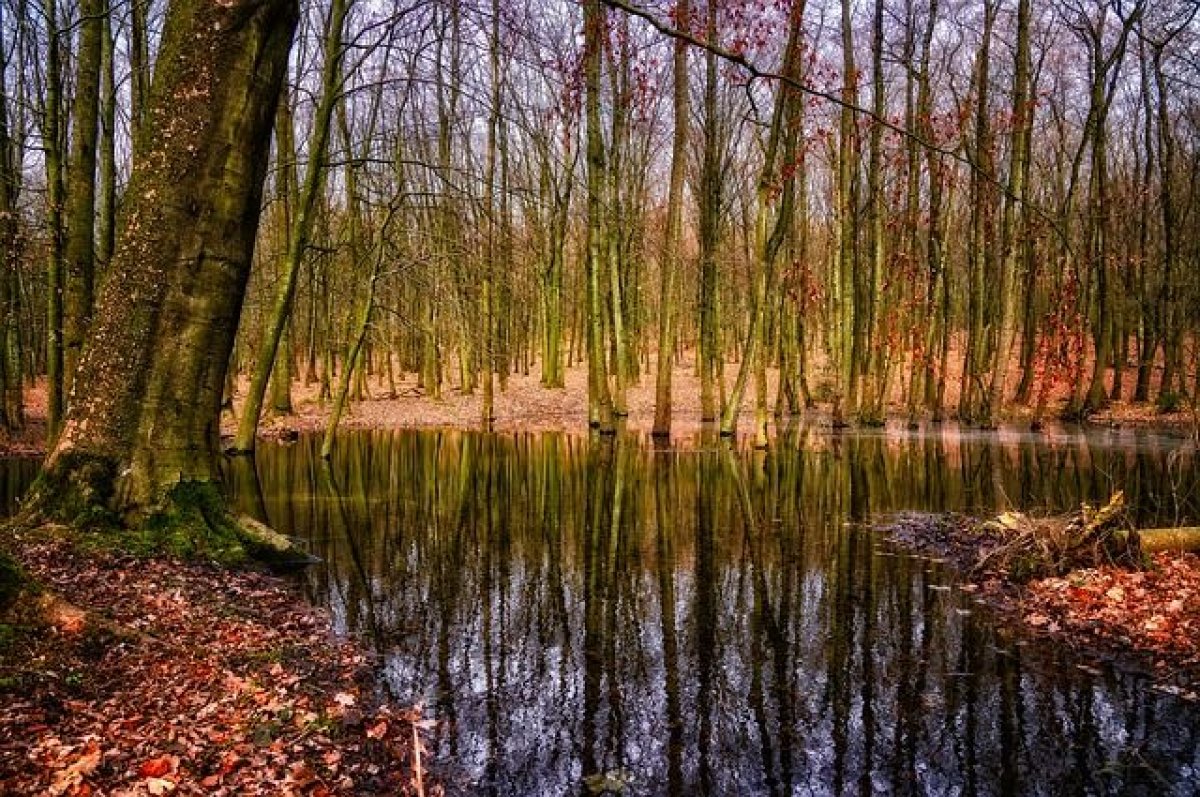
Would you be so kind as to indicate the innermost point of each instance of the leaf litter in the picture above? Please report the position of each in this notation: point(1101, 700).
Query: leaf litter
point(187, 678)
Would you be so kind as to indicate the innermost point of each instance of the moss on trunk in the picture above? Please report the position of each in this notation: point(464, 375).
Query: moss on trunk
point(139, 450)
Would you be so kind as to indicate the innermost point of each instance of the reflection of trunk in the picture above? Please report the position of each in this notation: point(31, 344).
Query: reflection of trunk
point(597, 534)
point(705, 614)
point(241, 480)
point(765, 628)
point(664, 506)
point(360, 573)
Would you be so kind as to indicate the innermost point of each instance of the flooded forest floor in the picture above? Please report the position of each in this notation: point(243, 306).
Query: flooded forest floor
point(161, 676)
point(1143, 619)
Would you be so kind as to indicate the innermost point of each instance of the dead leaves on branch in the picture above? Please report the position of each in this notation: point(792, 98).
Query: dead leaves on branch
point(1024, 547)
point(226, 683)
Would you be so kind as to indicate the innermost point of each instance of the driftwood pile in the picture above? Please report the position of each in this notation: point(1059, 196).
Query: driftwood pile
point(1025, 547)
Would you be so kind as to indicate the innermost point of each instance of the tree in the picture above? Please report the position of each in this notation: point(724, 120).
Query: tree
point(600, 406)
point(80, 251)
point(301, 232)
point(140, 439)
point(673, 238)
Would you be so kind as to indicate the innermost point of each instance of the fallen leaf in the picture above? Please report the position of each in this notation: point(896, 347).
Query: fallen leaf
point(158, 786)
point(157, 767)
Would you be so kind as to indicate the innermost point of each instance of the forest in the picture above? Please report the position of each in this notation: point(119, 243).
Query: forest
point(921, 209)
point(599, 397)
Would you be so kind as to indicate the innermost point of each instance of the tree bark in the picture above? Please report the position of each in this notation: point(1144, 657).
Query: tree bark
point(600, 409)
point(144, 423)
point(79, 256)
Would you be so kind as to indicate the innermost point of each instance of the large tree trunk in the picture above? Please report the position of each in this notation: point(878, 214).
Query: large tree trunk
point(144, 421)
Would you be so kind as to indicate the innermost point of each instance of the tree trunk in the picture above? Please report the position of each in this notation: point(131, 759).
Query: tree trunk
point(1013, 229)
point(11, 411)
point(301, 231)
point(52, 142)
point(772, 226)
point(144, 424)
point(79, 256)
point(600, 410)
point(709, 201)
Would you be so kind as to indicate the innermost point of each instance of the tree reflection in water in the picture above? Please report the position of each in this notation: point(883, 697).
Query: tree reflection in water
point(598, 612)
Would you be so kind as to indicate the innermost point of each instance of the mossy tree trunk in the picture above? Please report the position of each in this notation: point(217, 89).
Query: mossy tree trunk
point(600, 407)
point(80, 248)
point(11, 410)
point(708, 203)
point(52, 142)
point(145, 415)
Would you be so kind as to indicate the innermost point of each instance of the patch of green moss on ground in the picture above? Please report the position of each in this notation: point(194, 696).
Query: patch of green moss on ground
point(12, 580)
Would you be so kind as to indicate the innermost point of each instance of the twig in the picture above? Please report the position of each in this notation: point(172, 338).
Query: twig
point(420, 775)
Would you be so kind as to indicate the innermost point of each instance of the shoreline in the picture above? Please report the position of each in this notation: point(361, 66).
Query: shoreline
point(528, 408)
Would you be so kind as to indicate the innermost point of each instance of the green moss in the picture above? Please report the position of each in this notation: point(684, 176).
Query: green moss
point(77, 490)
point(12, 581)
point(192, 522)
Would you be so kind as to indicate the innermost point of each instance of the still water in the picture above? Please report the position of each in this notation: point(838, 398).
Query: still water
point(587, 614)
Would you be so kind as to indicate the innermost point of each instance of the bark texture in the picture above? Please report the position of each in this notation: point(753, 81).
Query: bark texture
point(148, 391)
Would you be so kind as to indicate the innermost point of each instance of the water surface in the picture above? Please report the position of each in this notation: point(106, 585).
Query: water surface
point(580, 614)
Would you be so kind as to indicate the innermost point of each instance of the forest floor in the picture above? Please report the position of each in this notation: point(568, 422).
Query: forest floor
point(1147, 620)
point(524, 405)
point(166, 677)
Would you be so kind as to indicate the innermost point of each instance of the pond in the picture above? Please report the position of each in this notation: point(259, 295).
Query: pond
point(582, 615)
point(588, 614)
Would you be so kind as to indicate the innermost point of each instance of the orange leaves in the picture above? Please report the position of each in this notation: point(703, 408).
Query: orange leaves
point(157, 767)
point(230, 685)
point(1154, 612)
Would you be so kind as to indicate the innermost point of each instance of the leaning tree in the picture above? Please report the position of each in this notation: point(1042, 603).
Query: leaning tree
point(141, 436)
